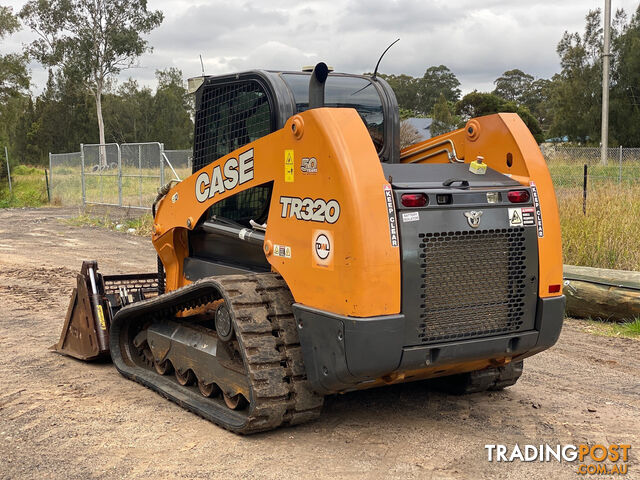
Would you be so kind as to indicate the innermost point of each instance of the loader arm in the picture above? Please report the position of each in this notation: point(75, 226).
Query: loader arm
point(507, 146)
point(343, 202)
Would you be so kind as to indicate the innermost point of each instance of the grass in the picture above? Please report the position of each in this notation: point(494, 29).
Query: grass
point(611, 329)
point(142, 225)
point(608, 236)
point(28, 188)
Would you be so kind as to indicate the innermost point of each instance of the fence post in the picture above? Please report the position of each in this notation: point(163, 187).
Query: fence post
point(161, 159)
point(6, 154)
point(46, 180)
point(50, 175)
point(119, 175)
point(139, 175)
point(620, 166)
point(84, 192)
point(584, 191)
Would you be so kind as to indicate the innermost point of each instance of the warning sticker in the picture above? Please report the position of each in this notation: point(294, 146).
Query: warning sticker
point(522, 217)
point(391, 211)
point(283, 251)
point(411, 217)
point(529, 216)
point(288, 166)
point(536, 204)
point(515, 217)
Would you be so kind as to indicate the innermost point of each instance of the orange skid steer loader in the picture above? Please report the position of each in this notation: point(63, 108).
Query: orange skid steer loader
point(308, 254)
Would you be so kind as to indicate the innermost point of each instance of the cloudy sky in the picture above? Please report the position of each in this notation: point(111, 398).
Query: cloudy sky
point(476, 39)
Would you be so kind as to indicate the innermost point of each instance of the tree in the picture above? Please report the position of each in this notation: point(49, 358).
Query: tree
point(513, 85)
point(94, 39)
point(437, 81)
point(625, 92)
point(129, 114)
point(172, 122)
point(419, 95)
point(476, 104)
point(14, 79)
point(444, 119)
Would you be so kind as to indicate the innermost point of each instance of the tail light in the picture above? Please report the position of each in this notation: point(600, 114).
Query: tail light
point(518, 196)
point(554, 288)
point(414, 200)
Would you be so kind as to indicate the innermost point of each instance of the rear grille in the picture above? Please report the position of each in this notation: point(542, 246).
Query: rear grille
point(473, 283)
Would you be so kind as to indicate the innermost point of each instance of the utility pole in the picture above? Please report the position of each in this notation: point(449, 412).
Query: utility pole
point(606, 54)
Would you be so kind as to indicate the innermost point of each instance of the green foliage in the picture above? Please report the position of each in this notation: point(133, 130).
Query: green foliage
point(90, 40)
point(143, 225)
point(28, 188)
point(444, 119)
point(14, 78)
point(629, 329)
point(477, 104)
point(419, 95)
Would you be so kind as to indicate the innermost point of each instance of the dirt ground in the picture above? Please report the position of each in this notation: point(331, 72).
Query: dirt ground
point(61, 418)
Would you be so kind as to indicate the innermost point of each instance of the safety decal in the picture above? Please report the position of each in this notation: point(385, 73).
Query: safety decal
point(322, 249)
point(536, 204)
point(283, 251)
point(391, 212)
point(288, 166)
point(236, 172)
point(310, 210)
point(309, 165)
point(103, 324)
point(411, 216)
point(522, 217)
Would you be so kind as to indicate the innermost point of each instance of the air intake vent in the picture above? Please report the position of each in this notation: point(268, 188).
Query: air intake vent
point(473, 284)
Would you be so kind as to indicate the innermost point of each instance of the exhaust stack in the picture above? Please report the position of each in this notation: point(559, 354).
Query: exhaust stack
point(316, 85)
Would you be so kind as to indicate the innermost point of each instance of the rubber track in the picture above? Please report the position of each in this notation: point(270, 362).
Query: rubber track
point(268, 340)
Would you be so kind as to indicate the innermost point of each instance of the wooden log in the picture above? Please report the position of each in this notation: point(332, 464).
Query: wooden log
point(602, 293)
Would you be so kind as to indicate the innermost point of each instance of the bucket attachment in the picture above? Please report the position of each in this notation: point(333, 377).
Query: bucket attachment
point(96, 298)
point(85, 334)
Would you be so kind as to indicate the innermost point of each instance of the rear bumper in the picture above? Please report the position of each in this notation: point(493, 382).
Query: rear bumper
point(346, 353)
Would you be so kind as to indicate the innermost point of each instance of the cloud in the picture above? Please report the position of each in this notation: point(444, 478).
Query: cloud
point(477, 39)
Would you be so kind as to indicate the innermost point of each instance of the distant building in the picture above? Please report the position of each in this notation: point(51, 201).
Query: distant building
point(422, 125)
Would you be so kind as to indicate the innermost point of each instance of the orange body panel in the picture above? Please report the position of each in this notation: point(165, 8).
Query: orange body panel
point(498, 138)
point(361, 275)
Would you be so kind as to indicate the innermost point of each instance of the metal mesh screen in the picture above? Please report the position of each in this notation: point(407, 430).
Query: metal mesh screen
point(230, 116)
point(473, 283)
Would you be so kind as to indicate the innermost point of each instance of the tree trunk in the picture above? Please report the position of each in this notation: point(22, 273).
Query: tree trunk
point(103, 150)
point(602, 293)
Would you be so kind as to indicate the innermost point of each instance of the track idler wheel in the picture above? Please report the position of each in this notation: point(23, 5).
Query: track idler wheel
point(163, 368)
point(208, 390)
point(224, 325)
point(236, 402)
point(185, 378)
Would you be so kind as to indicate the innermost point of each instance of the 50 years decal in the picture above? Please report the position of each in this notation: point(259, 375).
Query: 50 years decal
point(236, 172)
point(310, 210)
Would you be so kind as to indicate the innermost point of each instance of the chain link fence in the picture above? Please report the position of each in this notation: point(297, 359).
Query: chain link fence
point(125, 175)
point(129, 175)
point(578, 173)
point(65, 178)
point(566, 165)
